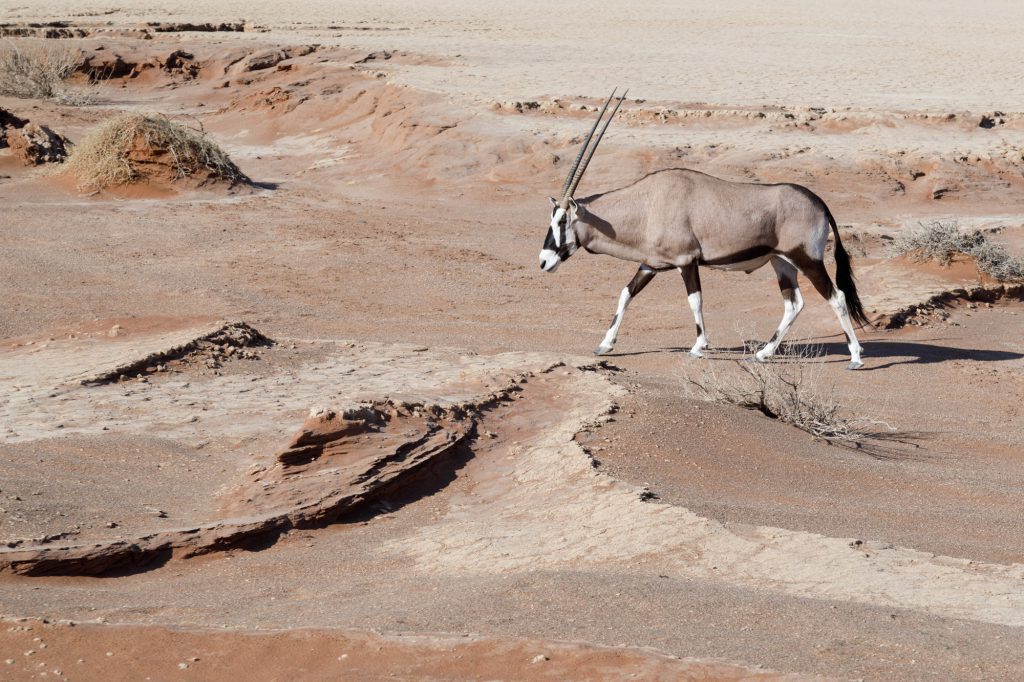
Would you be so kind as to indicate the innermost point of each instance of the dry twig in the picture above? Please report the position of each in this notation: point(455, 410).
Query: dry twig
point(791, 390)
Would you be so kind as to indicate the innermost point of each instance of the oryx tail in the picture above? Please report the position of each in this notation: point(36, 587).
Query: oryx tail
point(844, 277)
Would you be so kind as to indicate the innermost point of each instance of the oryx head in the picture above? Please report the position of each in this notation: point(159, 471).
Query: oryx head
point(561, 241)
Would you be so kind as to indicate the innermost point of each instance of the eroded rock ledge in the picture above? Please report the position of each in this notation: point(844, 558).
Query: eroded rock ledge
point(337, 464)
point(227, 338)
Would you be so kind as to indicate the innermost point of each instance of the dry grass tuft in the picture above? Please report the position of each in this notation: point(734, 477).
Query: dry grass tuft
point(940, 241)
point(37, 69)
point(134, 146)
point(790, 389)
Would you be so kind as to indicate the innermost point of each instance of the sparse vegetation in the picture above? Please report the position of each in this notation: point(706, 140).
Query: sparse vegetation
point(940, 242)
point(790, 389)
point(33, 69)
point(137, 146)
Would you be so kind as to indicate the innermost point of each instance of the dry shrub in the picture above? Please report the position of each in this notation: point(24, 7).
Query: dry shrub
point(789, 388)
point(940, 241)
point(138, 146)
point(37, 69)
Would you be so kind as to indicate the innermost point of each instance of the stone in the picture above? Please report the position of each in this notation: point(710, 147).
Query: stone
point(35, 144)
point(8, 122)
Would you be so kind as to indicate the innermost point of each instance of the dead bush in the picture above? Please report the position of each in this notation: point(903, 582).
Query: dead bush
point(32, 69)
point(940, 242)
point(789, 388)
point(140, 146)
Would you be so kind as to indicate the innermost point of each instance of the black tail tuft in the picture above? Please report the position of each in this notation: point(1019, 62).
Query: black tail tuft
point(845, 281)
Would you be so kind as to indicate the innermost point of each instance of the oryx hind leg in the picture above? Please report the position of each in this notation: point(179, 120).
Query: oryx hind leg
point(691, 278)
point(635, 286)
point(815, 271)
point(793, 301)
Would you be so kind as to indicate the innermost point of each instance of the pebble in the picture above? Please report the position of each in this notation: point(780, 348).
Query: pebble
point(539, 658)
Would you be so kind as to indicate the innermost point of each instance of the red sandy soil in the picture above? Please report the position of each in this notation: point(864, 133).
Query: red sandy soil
point(33, 650)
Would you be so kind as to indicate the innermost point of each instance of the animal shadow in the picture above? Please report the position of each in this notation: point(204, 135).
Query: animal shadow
point(913, 353)
point(896, 352)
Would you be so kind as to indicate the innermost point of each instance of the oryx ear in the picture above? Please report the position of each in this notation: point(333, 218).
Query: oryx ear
point(574, 205)
point(553, 201)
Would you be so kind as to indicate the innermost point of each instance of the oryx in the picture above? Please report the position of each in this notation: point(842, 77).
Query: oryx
point(683, 219)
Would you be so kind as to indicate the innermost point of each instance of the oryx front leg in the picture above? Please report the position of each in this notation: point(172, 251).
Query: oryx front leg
point(791, 299)
point(691, 278)
point(635, 286)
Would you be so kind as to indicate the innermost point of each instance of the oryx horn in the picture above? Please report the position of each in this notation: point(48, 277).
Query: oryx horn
point(579, 168)
point(566, 192)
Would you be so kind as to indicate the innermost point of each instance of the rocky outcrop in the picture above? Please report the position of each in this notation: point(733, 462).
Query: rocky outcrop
point(32, 143)
point(102, 64)
point(923, 311)
point(181, 26)
point(234, 339)
point(35, 145)
point(49, 29)
point(337, 464)
point(65, 29)
point(8, 123)
point(266, 59)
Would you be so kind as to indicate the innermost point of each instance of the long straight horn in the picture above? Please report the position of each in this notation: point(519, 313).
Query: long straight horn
point(586, 162)
point(566, 193)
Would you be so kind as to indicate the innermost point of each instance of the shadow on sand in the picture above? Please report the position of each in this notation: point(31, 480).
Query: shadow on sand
point(896, 352)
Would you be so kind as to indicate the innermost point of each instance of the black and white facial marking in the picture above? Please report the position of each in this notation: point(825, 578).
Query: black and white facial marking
point(560, 242)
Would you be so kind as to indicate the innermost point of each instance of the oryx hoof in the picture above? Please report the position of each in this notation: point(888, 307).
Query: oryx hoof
point(695, 353)
point(602, 349)
point(856, 364)
point(757, 357)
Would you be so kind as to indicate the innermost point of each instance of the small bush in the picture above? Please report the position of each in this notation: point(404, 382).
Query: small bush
point(37, 70)
point(789, 389)
point(940, 241)
point(994, 261)
point(136, 146)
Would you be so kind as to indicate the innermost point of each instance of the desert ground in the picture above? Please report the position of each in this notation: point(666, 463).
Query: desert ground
point(334, 423)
